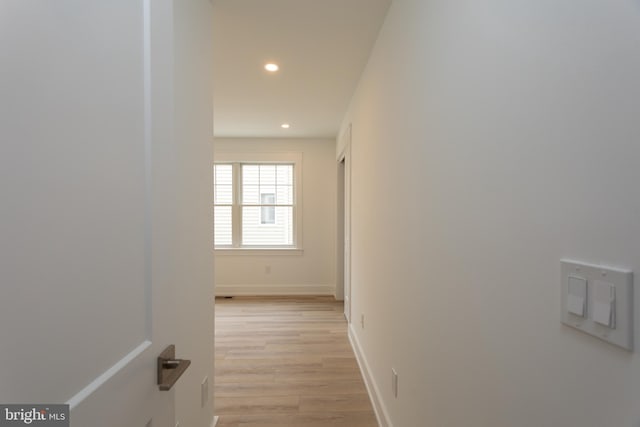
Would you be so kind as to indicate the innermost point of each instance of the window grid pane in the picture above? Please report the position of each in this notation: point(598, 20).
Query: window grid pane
point(267, 179)
point(265, 215)
point(268, 213)
point(222, 199)
point(223, 235)
point(223, 184)
point(254, 233)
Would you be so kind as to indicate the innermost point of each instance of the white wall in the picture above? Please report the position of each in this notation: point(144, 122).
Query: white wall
point(313, 271)
point(491, 139)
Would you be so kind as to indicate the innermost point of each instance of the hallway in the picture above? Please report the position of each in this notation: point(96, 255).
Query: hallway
point(287, 361)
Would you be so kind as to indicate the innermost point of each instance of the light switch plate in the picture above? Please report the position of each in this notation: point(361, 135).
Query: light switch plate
point(621, 331)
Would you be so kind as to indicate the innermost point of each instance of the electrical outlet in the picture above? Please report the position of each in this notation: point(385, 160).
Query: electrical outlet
point(204, 392)
point(362, 320)
point(178, 424)
point(394, 382)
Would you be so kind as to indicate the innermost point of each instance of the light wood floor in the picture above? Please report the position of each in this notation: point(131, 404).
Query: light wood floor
point(287, 362)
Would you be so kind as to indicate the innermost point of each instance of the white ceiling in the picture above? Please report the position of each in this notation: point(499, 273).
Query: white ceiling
point(321, 47)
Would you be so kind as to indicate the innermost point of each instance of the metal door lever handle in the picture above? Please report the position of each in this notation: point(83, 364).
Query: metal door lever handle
point(170, 369)
point(171, 364)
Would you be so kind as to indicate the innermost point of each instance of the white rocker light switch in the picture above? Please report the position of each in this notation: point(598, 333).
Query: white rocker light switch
point(577, 296)
point(604, 304)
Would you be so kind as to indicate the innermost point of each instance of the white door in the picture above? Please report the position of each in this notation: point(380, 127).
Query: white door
point(85, 140)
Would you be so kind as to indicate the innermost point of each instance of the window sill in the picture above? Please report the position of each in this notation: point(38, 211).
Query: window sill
point(259, 252)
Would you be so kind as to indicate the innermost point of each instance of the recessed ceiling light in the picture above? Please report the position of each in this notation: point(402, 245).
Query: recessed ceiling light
point(285, 126)
point(271, 67)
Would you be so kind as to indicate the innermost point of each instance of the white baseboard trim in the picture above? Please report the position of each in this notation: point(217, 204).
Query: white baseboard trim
point(214, 422)
point(374, 393)
point(273, 290)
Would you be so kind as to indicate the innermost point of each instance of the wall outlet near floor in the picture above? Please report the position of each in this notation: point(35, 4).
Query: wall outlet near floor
point(204, 392)
point(394, 382)
point(362, 320)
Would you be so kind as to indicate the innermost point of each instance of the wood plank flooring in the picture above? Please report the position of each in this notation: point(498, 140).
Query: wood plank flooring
point(286, 361)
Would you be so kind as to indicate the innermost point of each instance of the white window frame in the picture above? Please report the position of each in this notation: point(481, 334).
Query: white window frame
point(262, 158)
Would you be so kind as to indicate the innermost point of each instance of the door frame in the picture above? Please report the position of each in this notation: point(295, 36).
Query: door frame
point(345, 238)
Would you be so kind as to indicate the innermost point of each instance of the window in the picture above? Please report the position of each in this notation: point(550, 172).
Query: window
point(256, 204)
